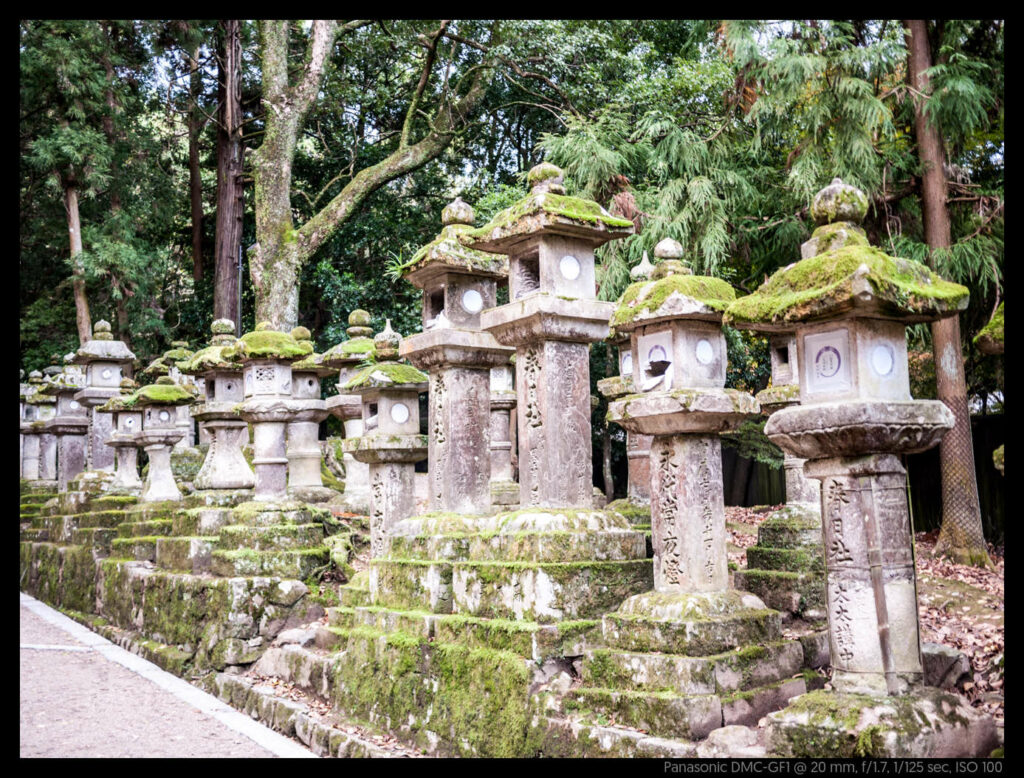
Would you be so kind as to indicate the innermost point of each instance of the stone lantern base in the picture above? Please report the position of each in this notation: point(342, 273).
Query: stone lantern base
point(535, 565)
point(684, 664)
point(926, 724)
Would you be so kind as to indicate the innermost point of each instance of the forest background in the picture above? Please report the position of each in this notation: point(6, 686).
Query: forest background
point(164, 162)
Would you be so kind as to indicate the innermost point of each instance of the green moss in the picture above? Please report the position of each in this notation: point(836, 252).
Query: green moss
point(576, 209)
point(386, 375)
point(451, 247)
point(643, 299)
point(824, 284)
point(992, 333)
point(209, 358)
point(828, 235)
point(267, 344)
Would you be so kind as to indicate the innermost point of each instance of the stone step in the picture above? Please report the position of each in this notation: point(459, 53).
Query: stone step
point(59, 529)
point(269, 538)
point(582, 737)
point(36, 498)
point(658, 713)
point(141, 549)
point(418, 623)
point(350, 595)
point(521, 546)
point(188, 554)
point(99, 538)
point(703, 636)
point(547, 592)
point(532, 591)
point(795, 560)
point(153, 511)
point(29, 509)
point(113, 502)
point(109, 519)
point(737, 670)
point(246, 562)
point(260, 514)
point(786, 591)
point(32, 535)
point(200, 521)
point(526, 638)
point(136, 529)
point(791, 533)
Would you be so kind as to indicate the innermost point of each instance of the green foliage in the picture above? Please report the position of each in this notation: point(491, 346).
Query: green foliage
point(750, 442)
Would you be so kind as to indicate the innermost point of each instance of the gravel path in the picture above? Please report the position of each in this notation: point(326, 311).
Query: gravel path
point(82, 696)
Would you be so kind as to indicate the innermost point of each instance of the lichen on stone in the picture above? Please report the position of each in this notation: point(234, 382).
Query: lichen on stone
point(209, 358)
point(268, 344)
point(386, 375)
point(990, 338)
point(452, 248)
point(825, 285)
point(551, 208)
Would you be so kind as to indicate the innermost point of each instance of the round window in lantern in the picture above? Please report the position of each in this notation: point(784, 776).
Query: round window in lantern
point(627, 363)
point(106, 372)
point(705, 352)
point(399, 413)
point(73, 405)
point(472, 301)
point(569, 267)
point(882, 359)
point(129, 422)
point(657, 354)
point(164, 416)
point(310, 383)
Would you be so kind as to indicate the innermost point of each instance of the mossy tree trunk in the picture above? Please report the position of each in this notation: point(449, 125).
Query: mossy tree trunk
point(195, 183)
point(961, 536)
point(229, 173)
point(281, 249)
point(78, 273)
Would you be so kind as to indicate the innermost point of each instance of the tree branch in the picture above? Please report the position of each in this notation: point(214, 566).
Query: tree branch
point(428, 66)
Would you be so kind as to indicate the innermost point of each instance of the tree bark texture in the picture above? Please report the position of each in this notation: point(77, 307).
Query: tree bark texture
point(78, 280)
point(281, 250)
point(230, 201)
point(195, 182)
point(961, 535)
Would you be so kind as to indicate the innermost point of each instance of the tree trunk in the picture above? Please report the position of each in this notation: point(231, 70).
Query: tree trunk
point(78, 280)
point(961, 536)
point(740, 477)
point(229, 175)
point(195, 183)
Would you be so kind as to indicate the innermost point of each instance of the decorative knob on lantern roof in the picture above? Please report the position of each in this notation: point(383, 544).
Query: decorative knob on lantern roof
point(101, 330)
point(457, 212)
point(839, 202)
point(643, 270)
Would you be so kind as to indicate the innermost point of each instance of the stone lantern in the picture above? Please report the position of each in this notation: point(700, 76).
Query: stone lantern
point(849, 304)
point(458, 283)
point(125, 439)
point(679, 362)
point(347, 357)
point(267, 356)
point(167, 365)
point(504, 489)
point(551, 318)
point(39, 409)
point(160, 431)
point(105, 361)
point(304, 480)
point(391, 444)
point(69, 426)
point(225, 466)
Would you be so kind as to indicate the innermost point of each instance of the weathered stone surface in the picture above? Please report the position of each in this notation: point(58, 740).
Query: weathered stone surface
point(925, 724)
point(943, 666)
point(683, 411)
point(541, 316)
point(733, 741)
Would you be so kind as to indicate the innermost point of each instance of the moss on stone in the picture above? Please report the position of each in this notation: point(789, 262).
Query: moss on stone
point(386, 375)
point(508, 221)
point(824, 284)
point(990, 338)
point(451, 247)
point(163, 394)
point(643, 299)
point(267, 344)
point(209, 358)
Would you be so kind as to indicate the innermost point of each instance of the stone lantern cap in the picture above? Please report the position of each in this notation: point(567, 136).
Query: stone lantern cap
point(548, 210)
point(178, 352)
point(359, 345)
point(314, 363)
point(267, 343)
point(103, 347)
point(163, 392)
point(990, 339)
point(64, 382)
point(839, 202)
point(849, 281)
point(450, 251)
point(387, 375)
point(693, 410)
point(212, 358)
point(671, 294)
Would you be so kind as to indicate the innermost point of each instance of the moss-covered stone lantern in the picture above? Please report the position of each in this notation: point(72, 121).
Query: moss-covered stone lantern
point(304, 457)
point(225, 466)
point(125, 439)
point(849, 304)
point(106, 361)
point(504, 489)
point(458, 283)
point(267, 356)
point(167, 365)
point(160, 431)
point(391, 443)
point(38, 462)
point(70, 425)
point(346, 357)
point(551, 317)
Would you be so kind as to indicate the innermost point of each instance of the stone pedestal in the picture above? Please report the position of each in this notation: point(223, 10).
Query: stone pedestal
point(47, 457)
point(357, 474)
point(71, 452)
point(225, 466)
point(638, 459)
point(303, 451)
point(269, 457)
point(30, 452)
point(126, 475)
point(504, 489)
point(159, 485)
